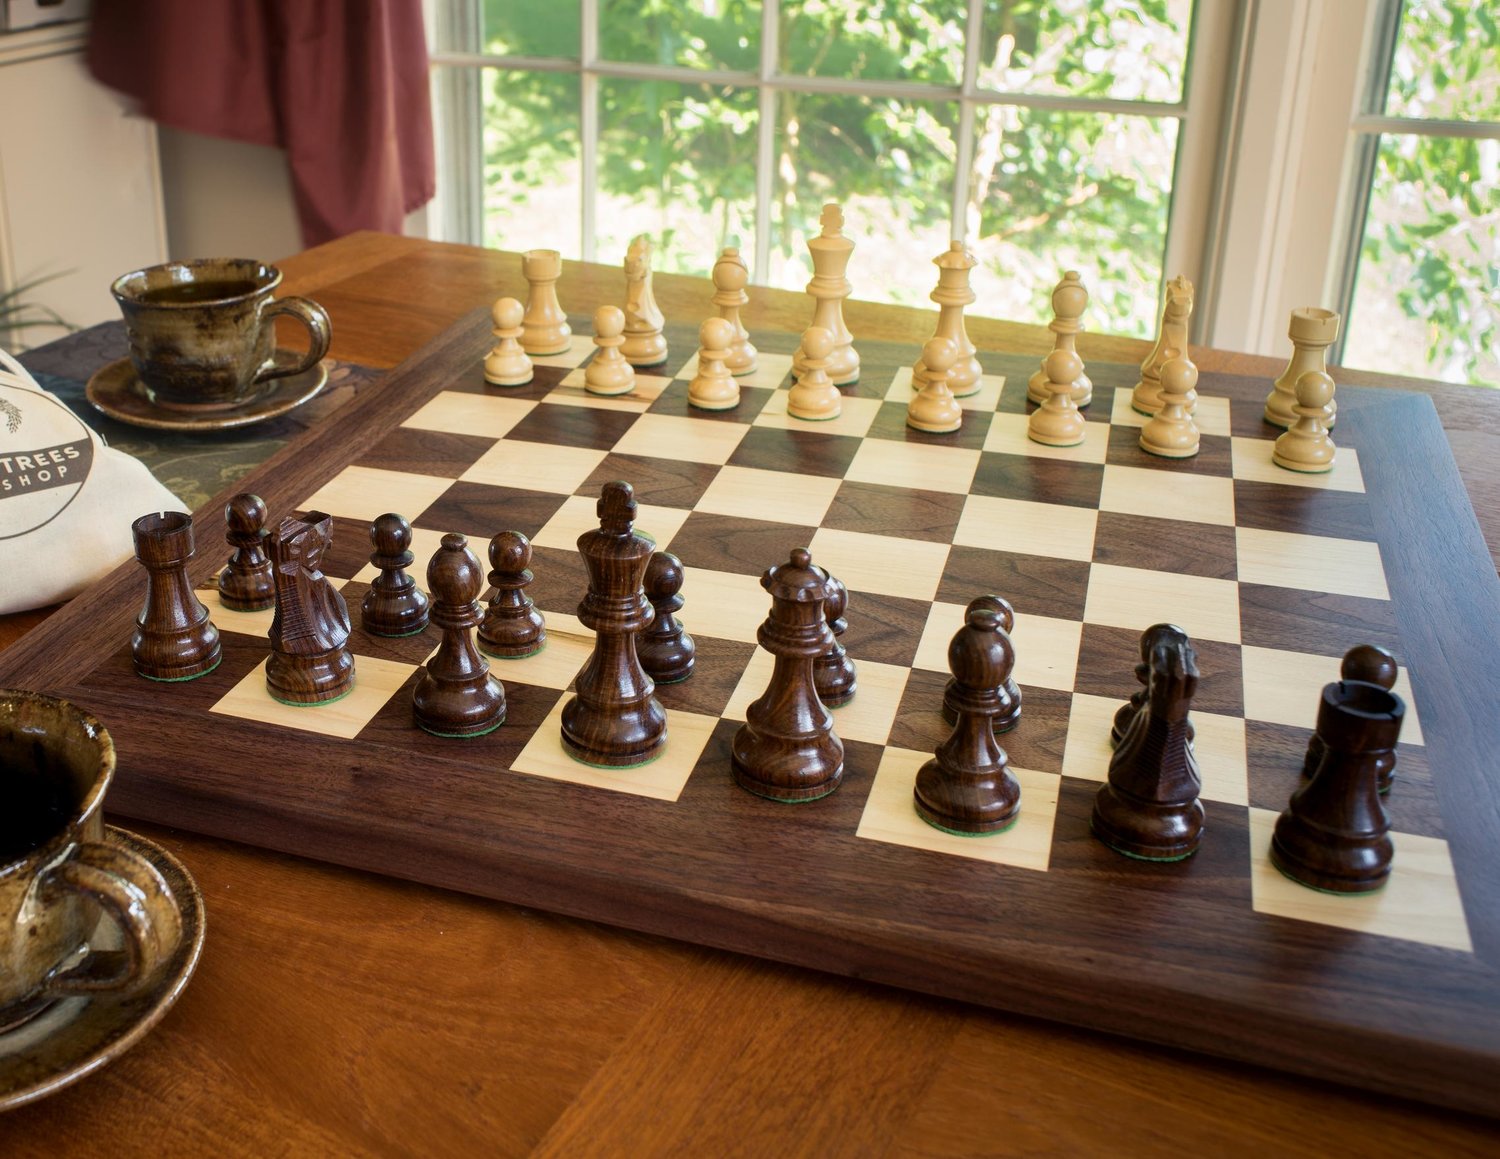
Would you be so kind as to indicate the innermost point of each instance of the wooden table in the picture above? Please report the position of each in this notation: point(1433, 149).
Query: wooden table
point(336, 1012)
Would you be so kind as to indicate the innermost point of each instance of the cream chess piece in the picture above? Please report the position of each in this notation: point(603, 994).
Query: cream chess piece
point(1312, 330)
point(952, 294)
point(1305, 445)
point(1173, 335)
point(1058, 422)
point(1069, 300)
point(544, 329)
point(644, 343)
point(729, 277)
point(934, 408)
point(813, 396)
point(714, 388)
point(1171, 432)
point(608, 373)
point(829, 286)
point(507, 364)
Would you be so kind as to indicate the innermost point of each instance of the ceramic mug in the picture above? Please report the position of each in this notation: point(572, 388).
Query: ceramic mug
point(59, 873)
point(202, 334)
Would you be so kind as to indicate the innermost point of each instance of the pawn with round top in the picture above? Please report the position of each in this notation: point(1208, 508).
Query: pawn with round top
point(1305, 445)
point(609, 373)
point(1058, 421)
point(713, 387)
point(246, 583)
point(512, 625)
point(394, 605)
point(813, 396)
point(507, 364)
point(729, 277)
point(934, 408)
point(1171, 433)
point(1069, 300)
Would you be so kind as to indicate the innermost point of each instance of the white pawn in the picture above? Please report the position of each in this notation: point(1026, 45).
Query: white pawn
point(813, 396)
point(1069, 300)
point(934, 408)
point(609, 373)
point(714, 388)
point(1058, 421)
point(1305, 446)
point(507, 364)
point(730, 276)
point(1171, 432)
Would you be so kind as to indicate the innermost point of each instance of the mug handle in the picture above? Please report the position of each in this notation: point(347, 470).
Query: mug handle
point(131, 891)
point(311, 315)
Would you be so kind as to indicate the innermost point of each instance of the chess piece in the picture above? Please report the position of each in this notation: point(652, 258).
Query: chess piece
point(1171, 433)
point(394, 605)
point(512, 625)
point(1008, 714)
point(713, 387)
point(1334, 834)
point(787, 749)
point(667, 652)
point(1155, 634)
point(1370, 664)
point(507, 364)
point(1069, 300)
point(614, 719)
point(456, 695)
point(245, 584)
point(1173, 335)
point(1305, 445)
point(730, 276)
point(544, 328)
point(1058, 421)
point(813, 396)
point(934, 408)
point(608, 373)
point(967, 787)
point(834, 674)
point(952, 294)
point(829, 287)
point(1312, 331)
point(644, 344)
point(1149, 807)
point(310, 662)
point(173, 639)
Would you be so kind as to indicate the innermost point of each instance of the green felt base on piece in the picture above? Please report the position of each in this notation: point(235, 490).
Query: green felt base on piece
point(656, 756)
point(542, 647)
point(312, 704)
point(183, 679)
point(1140, 856)
point(1330, 892)
point(462, 735)
point(1009, 825)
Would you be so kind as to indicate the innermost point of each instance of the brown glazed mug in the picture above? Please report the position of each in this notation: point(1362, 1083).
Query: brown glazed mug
point(58, 871)
point(202, 333)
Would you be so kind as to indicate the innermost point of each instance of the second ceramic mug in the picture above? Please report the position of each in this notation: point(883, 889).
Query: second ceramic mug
point(202, 333)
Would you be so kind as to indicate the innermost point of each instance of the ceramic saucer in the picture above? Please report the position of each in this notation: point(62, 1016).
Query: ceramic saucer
point(76, 1036)
point(116, 391)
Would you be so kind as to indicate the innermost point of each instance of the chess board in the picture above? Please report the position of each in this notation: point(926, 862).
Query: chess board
point(1273, 574)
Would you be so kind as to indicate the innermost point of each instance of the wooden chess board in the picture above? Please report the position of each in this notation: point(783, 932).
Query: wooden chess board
point(1273, 574)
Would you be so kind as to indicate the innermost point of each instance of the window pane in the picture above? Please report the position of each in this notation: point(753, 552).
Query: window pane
point(1129, 50)
point(873, 39)
point(1427, 293)
point(1057, 191)
point(1447, 62)
point(532, 178)
point(676, 161)
point(689, 33)
point(506, 27)
point(890, 164)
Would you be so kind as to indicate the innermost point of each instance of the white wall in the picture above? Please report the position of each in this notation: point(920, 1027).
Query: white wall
point(226, 198)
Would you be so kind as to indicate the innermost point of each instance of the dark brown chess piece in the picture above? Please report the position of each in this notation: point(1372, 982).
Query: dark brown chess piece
point(456, 695)
point(310, 662)
point(512, 626)
point(1127, 711)
point(1149, 807)
point(246, 583)
point(787, 749)
point(394, 605)
point(1010, 692)
point(667, 652)
point(173, 639)
point(1373, 665)
point(967, 787)
point(1334, 834)
point(834, 675)
point(614, 719)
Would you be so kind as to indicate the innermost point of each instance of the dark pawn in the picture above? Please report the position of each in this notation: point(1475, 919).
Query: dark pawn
point(666, 651)
point(246, 583)
point(1010, 692)
point(173, 638)
point(456, 695)
point(1149, 808)
point(1373, 665)
point(1334, 834)
point(786, 749)
point(394, 605)
point(512, 626)
point(1126, 712)
point(968, 787)
point(310, 661)
point(833, 672)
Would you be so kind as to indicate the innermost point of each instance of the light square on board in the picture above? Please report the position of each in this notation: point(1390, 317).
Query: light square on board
point(1318, 563)
point(1420, 902)
point(365, 492)
point(679, 437)
point(534, 466)
point(780, 496)
point(723, 604)
point(880, 564)
point(661, 779)
point(461, 413)
point(580, 346)
point(1191, 498)
point(985, 399)
point(1046, 647)
point(1211, 416)
point(375, 682)
point(1252, 461)
point(571, 392)
point(891, 816)
point(424, 544)
point(853, 420)
point(1127, 597)
point(1027, 528)
point(918, 466)
point(769, 373)
point(567, 650)
point(867, 717)
point(1287, 687)
point(1007, 435)
point(580, 513)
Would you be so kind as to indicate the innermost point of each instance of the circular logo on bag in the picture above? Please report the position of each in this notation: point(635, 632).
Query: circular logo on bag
point(45, 456)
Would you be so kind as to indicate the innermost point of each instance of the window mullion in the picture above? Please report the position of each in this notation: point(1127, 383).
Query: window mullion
point(963, 161)
point(588, 103)
point(765, 140)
